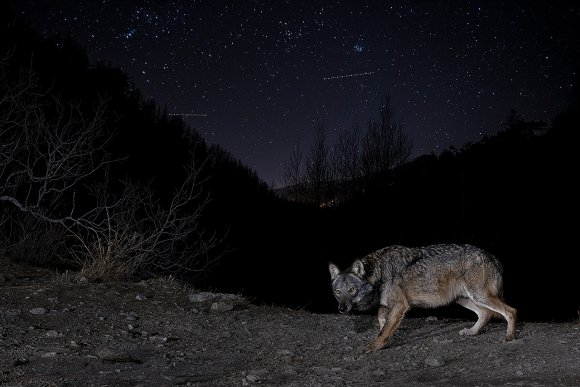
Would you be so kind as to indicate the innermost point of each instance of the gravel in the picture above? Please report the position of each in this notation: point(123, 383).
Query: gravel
point(95, 334)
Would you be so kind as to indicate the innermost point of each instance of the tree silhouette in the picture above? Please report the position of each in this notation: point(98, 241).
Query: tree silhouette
point(318, 171)
point(385, 145)
point(293, 176)
point(346, 160)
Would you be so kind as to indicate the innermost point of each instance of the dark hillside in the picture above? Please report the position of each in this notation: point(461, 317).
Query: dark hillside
point(510, 194)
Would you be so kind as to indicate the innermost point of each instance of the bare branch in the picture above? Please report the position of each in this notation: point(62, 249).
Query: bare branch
point(143, 237)
point(44, 159)
point(385, 144)
point(318, 171)
point(293, 176)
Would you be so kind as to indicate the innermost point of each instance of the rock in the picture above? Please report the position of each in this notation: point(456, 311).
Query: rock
point(321, 370)
point(140, 297)
point(158, 339)
point(284, 352)
point(217, 302)
point(431, 318)
point(131, 317)
point(55, 350)
point(53, 334)
point(289, 372)
point(220, 306)
point(107, 354)
point(254, 376)
point(202, 297)
point(20, 362)
point(208, 297)
point(48, 354)
point(39, 311)
point(434, 361)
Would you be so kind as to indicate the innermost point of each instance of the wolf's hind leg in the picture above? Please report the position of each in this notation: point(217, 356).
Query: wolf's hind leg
point(483, 316)
point(510, 314)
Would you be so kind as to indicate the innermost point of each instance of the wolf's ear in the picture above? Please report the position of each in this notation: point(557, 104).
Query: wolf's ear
point(333, 271)
point(358, 268)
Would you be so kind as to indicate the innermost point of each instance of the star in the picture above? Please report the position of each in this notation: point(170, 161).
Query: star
point(276, 67)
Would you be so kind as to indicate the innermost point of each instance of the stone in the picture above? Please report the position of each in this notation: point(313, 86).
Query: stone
point(20, 362)
point(434, 361)
point(202, 297)
point(220, 306)
point(107, 354)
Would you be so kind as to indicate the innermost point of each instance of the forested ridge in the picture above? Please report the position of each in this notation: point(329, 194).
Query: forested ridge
point(511, 194)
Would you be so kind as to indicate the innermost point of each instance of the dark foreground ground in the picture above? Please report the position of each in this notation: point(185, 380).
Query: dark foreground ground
point(160, 334)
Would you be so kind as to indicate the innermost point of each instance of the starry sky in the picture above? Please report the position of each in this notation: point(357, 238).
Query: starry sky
point(254, 75)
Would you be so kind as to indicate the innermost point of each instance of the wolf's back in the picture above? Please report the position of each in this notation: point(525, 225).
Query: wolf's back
point(468, 263)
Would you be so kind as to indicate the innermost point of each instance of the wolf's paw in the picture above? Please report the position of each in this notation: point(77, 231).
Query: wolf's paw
point(509, 338)
point(364, 350)
point(375, 345)
point(467, 332)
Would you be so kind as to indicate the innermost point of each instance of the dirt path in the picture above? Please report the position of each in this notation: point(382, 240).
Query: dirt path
point(153, 334)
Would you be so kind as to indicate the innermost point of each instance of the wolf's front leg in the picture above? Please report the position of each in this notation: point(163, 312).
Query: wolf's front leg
point(389, 321)
point(382, 317)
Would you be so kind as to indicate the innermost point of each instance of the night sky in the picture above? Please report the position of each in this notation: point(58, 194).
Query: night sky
point(255, 75)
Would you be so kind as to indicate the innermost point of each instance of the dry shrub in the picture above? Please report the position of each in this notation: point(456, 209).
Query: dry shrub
point(146, 238)
point(108, 258)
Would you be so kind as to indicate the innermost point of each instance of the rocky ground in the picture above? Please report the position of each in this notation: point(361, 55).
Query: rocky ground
point(158, 333)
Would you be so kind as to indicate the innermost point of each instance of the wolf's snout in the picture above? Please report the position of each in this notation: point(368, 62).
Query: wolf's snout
point(343, 309)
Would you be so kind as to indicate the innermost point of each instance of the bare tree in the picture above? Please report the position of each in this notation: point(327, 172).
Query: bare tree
point(293, 175)
point(318, 171)
point(49, 155)
point(346, 157)
point(47, 151)
point(346, 162)
point(145, 237)
point(385, 144)
point(331, 175)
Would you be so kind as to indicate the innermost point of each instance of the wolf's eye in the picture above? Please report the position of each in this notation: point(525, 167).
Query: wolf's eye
point(337, 292)
point(352, 290)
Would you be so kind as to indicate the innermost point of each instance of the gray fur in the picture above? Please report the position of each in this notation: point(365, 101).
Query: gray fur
point(397, 278)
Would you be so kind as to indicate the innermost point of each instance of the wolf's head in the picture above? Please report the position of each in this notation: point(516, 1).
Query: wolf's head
point(351, 288)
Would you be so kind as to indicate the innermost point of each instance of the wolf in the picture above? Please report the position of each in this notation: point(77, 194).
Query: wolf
point(397, 278)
